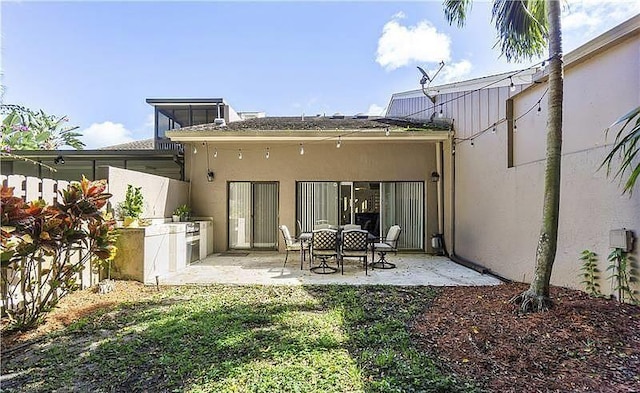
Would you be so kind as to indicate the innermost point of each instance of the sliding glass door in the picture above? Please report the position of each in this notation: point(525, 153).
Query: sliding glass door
point(253, 215)
point(317, 202)
point(403, 204)
point(375, 206)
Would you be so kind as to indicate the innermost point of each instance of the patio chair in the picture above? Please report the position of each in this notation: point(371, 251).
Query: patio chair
point(354, 244)
point(292, 244)
point(324, 245)
point(389, 244)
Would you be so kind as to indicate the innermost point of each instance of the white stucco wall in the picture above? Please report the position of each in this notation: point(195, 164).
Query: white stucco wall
point(499, 209)
point(161, 194)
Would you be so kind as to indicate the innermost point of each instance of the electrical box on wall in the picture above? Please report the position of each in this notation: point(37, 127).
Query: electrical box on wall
point(621, 238)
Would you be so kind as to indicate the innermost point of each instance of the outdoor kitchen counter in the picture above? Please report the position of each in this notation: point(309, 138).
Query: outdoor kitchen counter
point(147, 252)
point(155, 250)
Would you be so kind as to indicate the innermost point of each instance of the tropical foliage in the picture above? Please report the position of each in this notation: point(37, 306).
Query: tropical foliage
point(627, 147)
point(24, 129)
point(133, 203)
point(45, 246)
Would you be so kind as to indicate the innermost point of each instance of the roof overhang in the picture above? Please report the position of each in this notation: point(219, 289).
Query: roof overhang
point(275, 136)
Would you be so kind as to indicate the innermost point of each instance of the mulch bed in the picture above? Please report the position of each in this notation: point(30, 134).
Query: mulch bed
point(581, 344)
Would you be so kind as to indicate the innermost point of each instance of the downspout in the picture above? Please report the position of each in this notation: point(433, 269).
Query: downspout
point(439, 166)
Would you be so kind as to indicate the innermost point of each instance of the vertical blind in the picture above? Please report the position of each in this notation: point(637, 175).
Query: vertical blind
point(403, 204)
point(317, 201)
point(265, 215)
point(240, 215)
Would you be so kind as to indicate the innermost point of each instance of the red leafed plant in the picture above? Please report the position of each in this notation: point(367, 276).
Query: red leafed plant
point(44, 247)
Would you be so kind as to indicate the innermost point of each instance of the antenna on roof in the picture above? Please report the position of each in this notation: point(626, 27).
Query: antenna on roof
point(426, 80)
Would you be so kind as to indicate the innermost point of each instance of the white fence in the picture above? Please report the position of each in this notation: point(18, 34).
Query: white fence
point(33, 188)
point(29, 189)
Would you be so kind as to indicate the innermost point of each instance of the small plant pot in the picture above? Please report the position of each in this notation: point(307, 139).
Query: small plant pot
point(130, 222)
point(175, 218)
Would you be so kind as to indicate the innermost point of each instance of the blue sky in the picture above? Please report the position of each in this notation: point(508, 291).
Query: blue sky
point(97, 62)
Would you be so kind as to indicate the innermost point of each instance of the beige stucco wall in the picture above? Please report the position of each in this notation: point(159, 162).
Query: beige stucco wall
point(322, 161)
point(499, 209)
point(161, 194)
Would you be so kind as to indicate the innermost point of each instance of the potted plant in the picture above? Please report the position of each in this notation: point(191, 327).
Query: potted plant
point(131, 208)
point(182, 213)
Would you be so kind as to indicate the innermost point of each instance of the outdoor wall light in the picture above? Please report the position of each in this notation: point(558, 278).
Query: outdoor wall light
point(435, 177)
point(210, 175)
point(58, 160)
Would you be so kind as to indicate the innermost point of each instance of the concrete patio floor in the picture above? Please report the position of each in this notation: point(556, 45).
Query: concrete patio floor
point(266, 268)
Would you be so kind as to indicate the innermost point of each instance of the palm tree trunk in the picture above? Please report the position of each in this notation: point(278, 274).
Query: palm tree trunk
point(536, 298)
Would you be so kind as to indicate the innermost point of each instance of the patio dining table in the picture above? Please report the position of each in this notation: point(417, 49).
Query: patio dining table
point(306, 237)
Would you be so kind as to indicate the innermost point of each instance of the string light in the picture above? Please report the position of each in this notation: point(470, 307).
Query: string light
point(195, 150)
point(493, 131)
point(267, 154)
point(387, 132)
point(472, 144)
point(339, 142)
point(215, 153)
point(512, 87)
point(440, 114)
point(301, 149)
point(239, 154)
point(539, 109)
point(515, 126)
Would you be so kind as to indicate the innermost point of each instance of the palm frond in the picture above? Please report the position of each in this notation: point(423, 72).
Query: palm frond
point(522, 28)
point(456, 11)
point(627, 147)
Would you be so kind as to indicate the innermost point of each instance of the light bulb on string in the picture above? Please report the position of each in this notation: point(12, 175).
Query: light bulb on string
point(493, 130)
point(301, 149)
point(472, 144)
point(339, 143)
point(387, 131)
point(539, 109)
point(515, 126)
point(440, 114)
point(215, 153)
point(512, 87)
point(195, 150)
point(239, 154)
point(267, 154)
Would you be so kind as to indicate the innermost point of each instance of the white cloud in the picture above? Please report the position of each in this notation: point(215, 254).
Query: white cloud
point(105, 134)
point(401, 45)
point(375, 110)
point(455, 71)
point(592, 17)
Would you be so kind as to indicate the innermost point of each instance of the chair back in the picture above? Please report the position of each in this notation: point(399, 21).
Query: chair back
point(324, 240)
point(351, 226)
point(354, 240)
point(393, 235)
point(288, 240)
point(321, 226)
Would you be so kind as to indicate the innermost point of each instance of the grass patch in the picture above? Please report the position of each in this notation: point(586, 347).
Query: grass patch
point(241, 339)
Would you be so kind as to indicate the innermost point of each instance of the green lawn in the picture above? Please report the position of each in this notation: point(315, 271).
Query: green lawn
point(241, 339)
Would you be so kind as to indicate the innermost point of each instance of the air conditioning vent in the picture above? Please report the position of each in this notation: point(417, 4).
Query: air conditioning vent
point(220, 122)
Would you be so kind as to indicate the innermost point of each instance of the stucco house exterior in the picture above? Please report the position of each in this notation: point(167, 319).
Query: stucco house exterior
point(253, 175)
point(494, 167)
